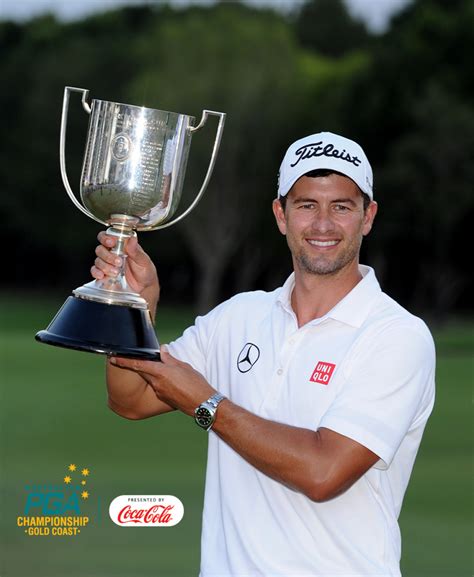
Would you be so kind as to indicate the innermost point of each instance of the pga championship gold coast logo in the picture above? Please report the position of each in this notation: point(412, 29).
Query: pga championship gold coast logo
point(60, 509)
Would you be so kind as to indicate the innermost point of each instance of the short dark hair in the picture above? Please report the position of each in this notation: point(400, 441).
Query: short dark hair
point(321, 172)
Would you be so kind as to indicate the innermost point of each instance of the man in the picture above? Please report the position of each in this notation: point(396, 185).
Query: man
point(317, 393)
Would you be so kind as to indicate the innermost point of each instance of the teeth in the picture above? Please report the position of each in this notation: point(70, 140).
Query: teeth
point(323, 243)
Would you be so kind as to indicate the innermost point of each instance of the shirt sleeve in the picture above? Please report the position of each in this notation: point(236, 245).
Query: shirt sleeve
point(193, 346)
point(388, 389)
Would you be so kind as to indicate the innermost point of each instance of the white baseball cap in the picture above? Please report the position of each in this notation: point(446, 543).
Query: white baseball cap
point(328, 151)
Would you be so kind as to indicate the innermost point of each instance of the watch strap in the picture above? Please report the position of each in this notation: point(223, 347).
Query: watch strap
point(215, 400)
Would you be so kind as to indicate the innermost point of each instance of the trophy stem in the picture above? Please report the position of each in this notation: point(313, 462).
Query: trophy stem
point(115, 290)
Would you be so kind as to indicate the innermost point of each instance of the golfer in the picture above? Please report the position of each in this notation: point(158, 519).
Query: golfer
point(315, 394)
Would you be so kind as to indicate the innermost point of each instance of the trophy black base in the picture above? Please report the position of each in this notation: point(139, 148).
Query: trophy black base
point(109, 329)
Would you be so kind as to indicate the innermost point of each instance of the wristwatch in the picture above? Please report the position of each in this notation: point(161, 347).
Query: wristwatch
point(205, 414)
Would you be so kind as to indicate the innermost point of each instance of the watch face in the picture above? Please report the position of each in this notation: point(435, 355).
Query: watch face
point(204, 417)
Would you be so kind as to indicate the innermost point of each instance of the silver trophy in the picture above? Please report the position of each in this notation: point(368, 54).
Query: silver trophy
point(132, 179)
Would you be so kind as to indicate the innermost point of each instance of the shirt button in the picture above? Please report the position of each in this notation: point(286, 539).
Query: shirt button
point(280, 372)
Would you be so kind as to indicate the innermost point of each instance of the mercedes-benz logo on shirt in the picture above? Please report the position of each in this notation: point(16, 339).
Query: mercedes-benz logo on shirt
point(248, 356)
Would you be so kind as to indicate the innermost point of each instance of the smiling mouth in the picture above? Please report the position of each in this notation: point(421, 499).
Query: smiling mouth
point(322, 243)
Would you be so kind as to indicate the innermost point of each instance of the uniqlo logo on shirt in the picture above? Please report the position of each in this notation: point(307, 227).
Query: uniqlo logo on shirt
point(322, 373)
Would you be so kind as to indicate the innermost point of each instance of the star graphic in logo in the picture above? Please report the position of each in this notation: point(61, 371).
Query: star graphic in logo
point(69, 480)
point(248, 356)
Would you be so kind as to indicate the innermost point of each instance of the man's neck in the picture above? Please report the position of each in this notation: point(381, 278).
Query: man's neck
point(314, 295)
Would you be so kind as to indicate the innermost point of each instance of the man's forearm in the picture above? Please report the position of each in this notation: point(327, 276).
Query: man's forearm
point(280, 451)
point(320, 464)
point(130, 396)
point(151, 296)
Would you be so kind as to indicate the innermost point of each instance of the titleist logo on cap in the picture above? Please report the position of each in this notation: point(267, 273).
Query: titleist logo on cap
point(318, 149)
point(325, 151)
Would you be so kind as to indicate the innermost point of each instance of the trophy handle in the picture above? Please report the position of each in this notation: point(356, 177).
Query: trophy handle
point(62, 146)
point(210, 168)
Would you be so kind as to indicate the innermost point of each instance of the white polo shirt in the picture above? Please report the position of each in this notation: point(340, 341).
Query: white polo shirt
point(365, 370)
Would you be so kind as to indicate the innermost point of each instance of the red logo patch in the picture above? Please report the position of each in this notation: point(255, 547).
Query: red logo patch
point(322, 373)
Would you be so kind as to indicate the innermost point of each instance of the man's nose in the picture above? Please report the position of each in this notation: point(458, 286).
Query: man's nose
point(322, 222)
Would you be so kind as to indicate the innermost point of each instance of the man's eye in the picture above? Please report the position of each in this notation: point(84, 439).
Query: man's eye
point(308, 205)
point(341, 207)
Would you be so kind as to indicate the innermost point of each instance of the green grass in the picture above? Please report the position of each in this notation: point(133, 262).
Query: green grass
point(53, 412)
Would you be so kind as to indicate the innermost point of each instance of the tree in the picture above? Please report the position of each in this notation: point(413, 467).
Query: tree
point(326, 27)
point(430, 172)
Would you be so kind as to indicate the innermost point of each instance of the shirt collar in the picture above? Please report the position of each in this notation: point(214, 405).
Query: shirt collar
point(352, 309)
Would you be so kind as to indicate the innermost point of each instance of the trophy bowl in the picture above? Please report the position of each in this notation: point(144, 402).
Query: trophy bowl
point(132, 180)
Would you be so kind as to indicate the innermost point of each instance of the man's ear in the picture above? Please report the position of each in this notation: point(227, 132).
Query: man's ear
point(369, 217)
point(279, 215)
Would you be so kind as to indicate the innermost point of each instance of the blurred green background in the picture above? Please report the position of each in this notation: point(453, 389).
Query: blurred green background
point(404, 92)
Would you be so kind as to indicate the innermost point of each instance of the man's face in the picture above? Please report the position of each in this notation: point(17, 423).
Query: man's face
point(324, 223)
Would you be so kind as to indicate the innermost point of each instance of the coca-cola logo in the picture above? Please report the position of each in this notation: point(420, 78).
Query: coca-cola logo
point(146, 510)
